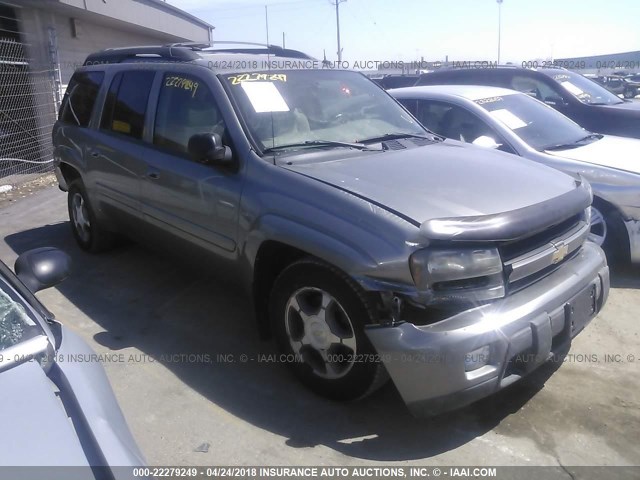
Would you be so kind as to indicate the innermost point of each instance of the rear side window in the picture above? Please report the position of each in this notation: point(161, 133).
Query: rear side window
point(80, 98)
point(126, 103)
point(533, 87)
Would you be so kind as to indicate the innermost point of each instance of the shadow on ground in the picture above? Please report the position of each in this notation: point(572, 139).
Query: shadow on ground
point(144, 300)
point(625, 276)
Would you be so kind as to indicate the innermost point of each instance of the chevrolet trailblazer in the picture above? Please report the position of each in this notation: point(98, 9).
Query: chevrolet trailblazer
point(368, 244)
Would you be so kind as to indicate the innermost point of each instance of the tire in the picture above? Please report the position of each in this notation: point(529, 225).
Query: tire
point(87, 231)
point(615, 241)
point(630, 93)
point(337, 360)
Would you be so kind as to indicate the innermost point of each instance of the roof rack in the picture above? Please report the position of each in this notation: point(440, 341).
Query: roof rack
point(187, 51)
point(118, 55)
point(246, 48)
point(202, 45)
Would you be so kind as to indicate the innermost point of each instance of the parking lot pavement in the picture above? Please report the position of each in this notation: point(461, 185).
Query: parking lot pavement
point(149, 314)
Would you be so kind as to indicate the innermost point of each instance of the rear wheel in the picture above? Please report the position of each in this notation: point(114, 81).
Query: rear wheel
point(318, 315)
point(88, 233)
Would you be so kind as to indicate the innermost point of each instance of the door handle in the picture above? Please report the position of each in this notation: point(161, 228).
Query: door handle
point(94, 154)
point(153, 175)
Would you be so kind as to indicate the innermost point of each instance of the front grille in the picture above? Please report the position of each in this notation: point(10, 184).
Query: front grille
point(511, 250)
point(521, 283)
point(528, 260)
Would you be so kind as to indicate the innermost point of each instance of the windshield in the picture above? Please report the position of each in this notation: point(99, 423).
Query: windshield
point(537, 124)
point(316, 107)
point(16, 325)
point(584, 89)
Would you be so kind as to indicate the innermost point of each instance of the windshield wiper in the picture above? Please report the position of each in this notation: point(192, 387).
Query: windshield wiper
point(317, 143)
point(395, 136)
point(591, 136)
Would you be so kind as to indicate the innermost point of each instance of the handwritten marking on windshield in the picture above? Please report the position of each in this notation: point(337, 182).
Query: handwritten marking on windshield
point(256, 77)
point(182, 83)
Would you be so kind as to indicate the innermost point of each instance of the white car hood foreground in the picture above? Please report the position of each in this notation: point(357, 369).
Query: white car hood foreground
point(67, 418)
point(36, 427)
point(610, 151)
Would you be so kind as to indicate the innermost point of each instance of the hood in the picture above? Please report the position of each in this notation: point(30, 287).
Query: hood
point(610, 151)
point(448, 179)
point(40, 430)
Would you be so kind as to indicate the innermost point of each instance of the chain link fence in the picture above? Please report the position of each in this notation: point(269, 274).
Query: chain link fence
point(28, 107)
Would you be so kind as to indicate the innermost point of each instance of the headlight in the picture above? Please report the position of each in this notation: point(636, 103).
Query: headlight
point(465, 274)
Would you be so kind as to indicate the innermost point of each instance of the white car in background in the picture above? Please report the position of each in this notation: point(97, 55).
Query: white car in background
point(516, 123)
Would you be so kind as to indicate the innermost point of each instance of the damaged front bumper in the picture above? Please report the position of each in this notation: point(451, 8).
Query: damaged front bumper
point(522, 331)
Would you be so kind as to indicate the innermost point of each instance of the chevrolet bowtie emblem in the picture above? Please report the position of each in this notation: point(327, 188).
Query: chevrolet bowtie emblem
point(561, 251)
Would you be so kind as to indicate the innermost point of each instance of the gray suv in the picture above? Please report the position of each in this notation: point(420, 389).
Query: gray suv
point(370, 246)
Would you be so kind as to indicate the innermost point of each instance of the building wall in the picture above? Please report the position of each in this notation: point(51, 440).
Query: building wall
point(43, 28)
point(91, 37)
point(604, 64)
point(151, 14)
point(42, 42)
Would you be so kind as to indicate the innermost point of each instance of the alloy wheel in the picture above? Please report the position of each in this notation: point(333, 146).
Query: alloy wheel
point(80, 217)
point(598, 232)
point(320, 332)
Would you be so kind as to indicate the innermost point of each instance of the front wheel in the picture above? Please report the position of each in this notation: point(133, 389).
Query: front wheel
point(318, 316)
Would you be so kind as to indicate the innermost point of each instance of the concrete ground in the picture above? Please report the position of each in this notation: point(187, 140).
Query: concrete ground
point(202, 410)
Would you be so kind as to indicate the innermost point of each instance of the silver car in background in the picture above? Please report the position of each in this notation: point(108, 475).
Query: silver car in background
point(516, 123)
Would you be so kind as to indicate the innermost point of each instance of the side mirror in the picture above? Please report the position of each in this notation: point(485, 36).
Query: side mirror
point(42, 268)
point(208, 148)
point(554, 100)
point(485, 142)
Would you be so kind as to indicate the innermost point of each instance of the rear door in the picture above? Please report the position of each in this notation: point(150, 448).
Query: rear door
point(115, 159)
point(193, 201)
point(72, 132)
